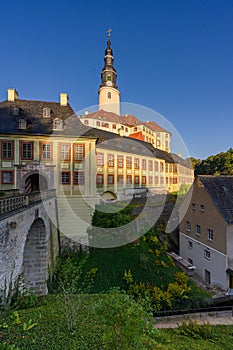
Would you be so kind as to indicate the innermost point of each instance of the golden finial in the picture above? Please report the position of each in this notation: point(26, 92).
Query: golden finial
point(109, 32)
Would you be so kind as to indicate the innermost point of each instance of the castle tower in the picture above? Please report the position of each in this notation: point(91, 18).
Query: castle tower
point(109, 95)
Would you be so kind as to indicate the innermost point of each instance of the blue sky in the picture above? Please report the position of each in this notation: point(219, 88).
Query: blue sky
point(174, 56)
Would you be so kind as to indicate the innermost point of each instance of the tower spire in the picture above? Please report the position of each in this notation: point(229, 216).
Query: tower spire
point(109, 95)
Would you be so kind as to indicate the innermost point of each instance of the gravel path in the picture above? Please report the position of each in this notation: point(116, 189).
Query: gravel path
point(223, 318)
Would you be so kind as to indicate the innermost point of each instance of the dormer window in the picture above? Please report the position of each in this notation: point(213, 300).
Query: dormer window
point(46, 112)
point(58, 124)
point(15, 111)
point(21, 123)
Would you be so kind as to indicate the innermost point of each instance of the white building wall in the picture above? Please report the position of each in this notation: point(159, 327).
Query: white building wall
point(216, 265)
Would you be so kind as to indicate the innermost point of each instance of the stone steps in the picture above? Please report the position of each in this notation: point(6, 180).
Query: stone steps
point(75, 216)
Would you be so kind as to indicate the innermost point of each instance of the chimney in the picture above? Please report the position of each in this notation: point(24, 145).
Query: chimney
point(63, 99)
point(12, 95)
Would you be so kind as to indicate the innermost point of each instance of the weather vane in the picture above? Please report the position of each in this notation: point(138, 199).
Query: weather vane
point(109, 32)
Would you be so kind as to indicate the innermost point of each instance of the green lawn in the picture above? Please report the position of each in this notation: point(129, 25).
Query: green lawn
point(99, 322)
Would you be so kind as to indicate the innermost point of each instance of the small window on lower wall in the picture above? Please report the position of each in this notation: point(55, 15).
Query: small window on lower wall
point(190, 245)
point(207, 254)
point(136, 179)
point(110, 179)
point(129, 179)
point(65, 178)
point(79, 178)
point(190, 261)
point(143, 180)
point(7, 177)
point(207, 277)
point(99, 179)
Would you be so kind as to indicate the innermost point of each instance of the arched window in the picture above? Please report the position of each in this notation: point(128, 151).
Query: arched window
point(109, 95)
point(46, 112)
point(58, 124)
point(21, 123)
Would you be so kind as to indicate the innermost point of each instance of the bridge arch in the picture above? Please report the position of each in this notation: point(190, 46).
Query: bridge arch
point(35, 258)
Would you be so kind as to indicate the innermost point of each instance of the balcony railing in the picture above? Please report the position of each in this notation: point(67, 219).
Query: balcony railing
point(9, 204)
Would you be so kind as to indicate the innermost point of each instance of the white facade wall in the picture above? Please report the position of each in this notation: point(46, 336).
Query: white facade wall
point(216, 265)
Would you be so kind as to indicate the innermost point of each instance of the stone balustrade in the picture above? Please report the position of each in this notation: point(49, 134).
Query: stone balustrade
point(9, 204)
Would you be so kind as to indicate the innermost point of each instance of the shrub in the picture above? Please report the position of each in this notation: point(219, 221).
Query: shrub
point(195, 330)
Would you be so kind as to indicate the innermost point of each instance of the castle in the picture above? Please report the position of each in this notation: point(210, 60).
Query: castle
point(46, 145)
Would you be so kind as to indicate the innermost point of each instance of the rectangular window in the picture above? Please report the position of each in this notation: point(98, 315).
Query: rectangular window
point(100, 159)
point(65, 178)
point(210, 234)
point(120, 161)
point(156, 180)
point(143, 180)
point(79, 152)
point(97, 123)
point(7, 176)
point(207, 254)
point(46, 151)
point(190, 245)
point(188, 226)
point(161, 167)
point(150, 165)
point(111, 160)
point(7, 148)
point(79, 178)
point(161, 180)
point(136, 179)
point(150, 180)
point(26, 150)
point(129, 179)
point(198, 230)
point(128, 162)
point(156, 165)
point(136, 163)
point(114, 126)
point(99, 179)
point(120, 179)
point(143, 164)
point(202, 208)
point(64, 151)
point(194, 206)
point(110, 179)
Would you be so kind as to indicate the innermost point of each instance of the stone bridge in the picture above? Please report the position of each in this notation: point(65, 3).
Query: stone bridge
point(29, 240)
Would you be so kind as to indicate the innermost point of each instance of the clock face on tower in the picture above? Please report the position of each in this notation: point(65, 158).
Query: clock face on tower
point(109, 83)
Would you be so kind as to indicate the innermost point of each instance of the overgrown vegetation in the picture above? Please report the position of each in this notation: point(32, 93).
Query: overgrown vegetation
point(142, 269)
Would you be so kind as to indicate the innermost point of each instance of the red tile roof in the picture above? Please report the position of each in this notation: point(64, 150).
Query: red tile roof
point(137, 135)
point(129, 120)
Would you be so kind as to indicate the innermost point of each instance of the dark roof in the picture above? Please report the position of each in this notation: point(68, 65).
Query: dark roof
point(33, 112)
point(220, 189)
point(185, 162)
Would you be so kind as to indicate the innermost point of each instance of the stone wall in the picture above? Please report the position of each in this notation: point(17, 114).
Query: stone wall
point(29, 245)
